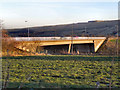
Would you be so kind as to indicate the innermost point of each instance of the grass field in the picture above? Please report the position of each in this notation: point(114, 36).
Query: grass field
point(61, 71)
point(114, 40)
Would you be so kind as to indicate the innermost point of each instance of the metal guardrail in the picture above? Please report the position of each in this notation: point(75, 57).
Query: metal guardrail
point(52, 38)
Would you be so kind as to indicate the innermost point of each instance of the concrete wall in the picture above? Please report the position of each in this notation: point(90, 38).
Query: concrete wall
point(84, 48)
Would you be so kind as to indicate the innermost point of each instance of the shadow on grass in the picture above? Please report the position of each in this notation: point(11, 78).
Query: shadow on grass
point(66, 57)
point(44, 85)
point(52, 86)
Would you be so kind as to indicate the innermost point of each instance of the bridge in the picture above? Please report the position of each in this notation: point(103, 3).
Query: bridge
point(90, 44)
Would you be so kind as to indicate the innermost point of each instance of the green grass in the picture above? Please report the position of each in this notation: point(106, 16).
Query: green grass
point(61, 71)
point(114, 40)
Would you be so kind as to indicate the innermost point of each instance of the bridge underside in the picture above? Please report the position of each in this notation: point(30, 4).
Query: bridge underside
point(64, 49)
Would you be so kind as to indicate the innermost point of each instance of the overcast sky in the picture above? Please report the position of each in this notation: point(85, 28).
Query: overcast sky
point(15, 14)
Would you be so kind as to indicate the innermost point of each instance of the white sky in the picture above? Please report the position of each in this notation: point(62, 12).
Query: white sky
point(42, 13)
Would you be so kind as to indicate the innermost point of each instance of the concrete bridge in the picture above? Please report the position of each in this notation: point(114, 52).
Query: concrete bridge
point(82, 44)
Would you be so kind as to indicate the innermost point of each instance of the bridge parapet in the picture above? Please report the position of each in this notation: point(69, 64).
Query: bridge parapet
point(53, 38)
